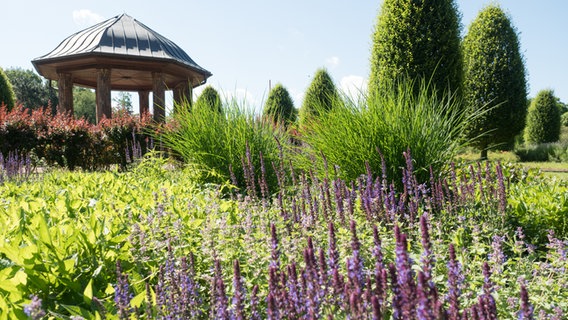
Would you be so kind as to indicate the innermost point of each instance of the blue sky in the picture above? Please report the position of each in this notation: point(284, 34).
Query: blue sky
point(249, 44)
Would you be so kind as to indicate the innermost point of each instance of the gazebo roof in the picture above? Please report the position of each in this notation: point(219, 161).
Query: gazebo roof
point(129, 48)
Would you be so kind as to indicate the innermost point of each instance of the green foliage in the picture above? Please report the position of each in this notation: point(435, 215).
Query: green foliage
point(320, 96)
point(417, 40)
point(85, 104)
point(31, 90)
point(64, 233)
point(564, 119)
point(543, 119)
point(349, 135)
point(494, 79)
point(279, 107)
point(7, 96)
point(210, 99)
point(123, 103)
point(540, 205)
point(217, 141)
point(65, 141)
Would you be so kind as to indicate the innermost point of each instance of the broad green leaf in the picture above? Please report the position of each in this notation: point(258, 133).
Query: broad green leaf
point(88, 293)
point(137, 301)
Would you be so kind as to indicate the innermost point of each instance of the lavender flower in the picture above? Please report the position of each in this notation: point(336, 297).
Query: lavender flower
point(33, 309)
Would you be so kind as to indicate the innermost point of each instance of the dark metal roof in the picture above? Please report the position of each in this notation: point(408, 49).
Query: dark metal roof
point(132, 50)
point(122, 36)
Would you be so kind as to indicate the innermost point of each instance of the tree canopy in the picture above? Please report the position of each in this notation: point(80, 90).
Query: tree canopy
point(494, 80)
point(30, 89)
point(7, 96)
point(209, 98)
point(417, 39)
point(320, 96)
point(543, 119)
point(279, 107)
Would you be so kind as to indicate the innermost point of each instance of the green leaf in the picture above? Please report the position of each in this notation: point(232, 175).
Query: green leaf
point(88, 293)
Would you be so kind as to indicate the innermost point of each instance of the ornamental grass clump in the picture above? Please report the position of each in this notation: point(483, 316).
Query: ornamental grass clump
point(349, 134)
point(225, 143)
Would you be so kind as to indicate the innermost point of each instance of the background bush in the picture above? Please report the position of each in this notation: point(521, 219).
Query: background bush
point(543, 119)
point(68, 142)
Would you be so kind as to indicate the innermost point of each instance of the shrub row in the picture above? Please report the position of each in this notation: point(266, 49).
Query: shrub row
point(65, 141)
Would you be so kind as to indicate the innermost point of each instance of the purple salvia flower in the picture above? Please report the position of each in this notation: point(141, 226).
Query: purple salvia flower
point(239, 296)
point(455, 280)
point(397, 298)
point(376, 307)
point(264, 192)
point(526, 312)
point(122, 294)
point(275, 251)
point(272, 307)
point(33, 309)
point(254, 313)
point(220, 308)
point(294, 296)
point(337, 188)
point(501, 191)
point(332, 253)
point(405, 277)
point(424, 310)
point(357, 260)
point(497, 257)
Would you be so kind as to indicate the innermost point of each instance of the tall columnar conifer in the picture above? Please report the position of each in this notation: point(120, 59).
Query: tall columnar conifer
point(209, 98)
point(543, 119)
point(417, 39)
point(279, 107)
point(321, 96)
point(494, 80)
point(7, 96)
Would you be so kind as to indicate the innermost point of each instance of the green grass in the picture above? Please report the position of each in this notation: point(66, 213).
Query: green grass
point(349, 134)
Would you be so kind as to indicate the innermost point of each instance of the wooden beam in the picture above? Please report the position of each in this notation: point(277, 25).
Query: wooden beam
point(159, 94)
point(144, 101)
point(182, 95)
point(65, 85)
point(104, 108)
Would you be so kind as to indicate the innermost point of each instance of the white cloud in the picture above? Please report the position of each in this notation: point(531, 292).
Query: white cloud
point(85, 17)
point(332, 62)
point(353, 86)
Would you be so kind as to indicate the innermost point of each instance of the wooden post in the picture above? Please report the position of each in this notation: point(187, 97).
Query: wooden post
point(65, 85)
point(144, 101)
point(159, 94)
point(104, 108)
point(182, 95)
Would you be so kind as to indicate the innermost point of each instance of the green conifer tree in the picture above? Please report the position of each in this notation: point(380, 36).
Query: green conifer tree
point(320, 96)
point(7, 96)
point(418, 40)
point(543, 119)
point(279, 107)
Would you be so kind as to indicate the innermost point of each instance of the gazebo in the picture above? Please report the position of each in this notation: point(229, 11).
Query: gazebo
point(121, 54)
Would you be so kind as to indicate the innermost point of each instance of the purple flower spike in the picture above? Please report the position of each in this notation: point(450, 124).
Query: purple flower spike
point(526, 312)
